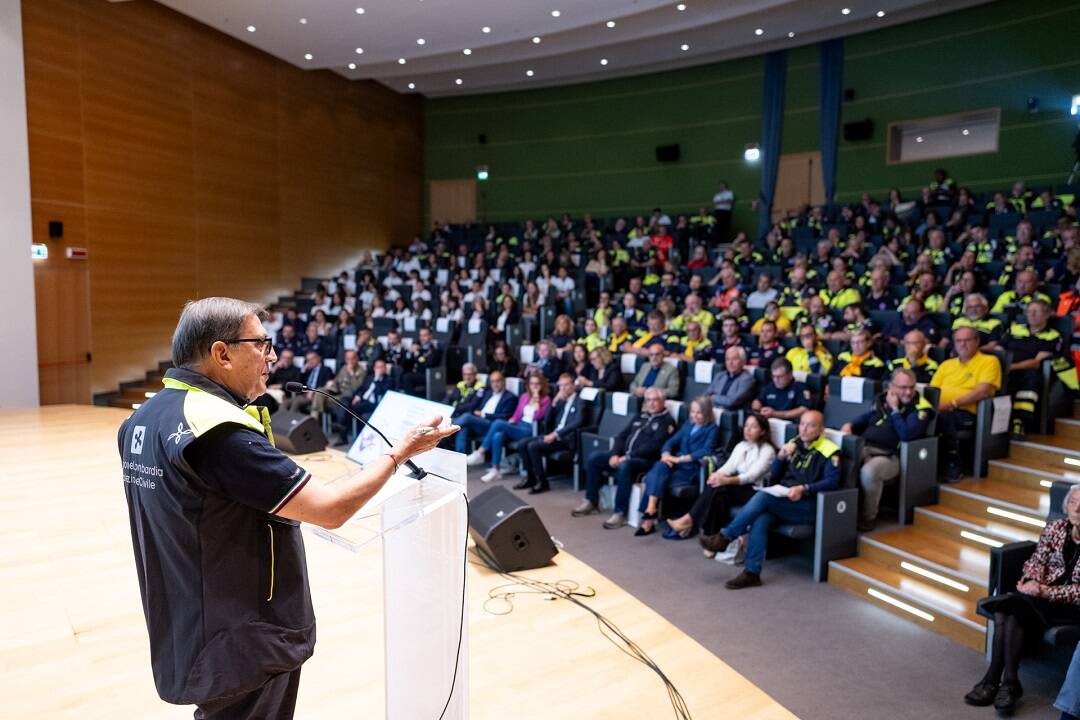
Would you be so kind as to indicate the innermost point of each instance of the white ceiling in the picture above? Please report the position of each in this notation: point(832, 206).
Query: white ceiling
point(648, 35)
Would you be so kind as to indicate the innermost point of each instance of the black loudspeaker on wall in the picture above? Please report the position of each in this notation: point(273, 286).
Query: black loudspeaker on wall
point(668, 153)
point(859, 130)
point(508, 532)
point(296, 433)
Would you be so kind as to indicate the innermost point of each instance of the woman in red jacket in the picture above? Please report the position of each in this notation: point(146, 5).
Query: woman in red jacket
point(1048, 594)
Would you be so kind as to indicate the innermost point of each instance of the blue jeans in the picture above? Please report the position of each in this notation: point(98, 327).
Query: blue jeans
point(661, 477)
point(758, 515)
point(501, 431)
point(596, 465)
point(471, 426)
point(1068, 699)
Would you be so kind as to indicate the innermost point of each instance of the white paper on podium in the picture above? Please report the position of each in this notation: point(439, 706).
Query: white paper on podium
point(1002, 410)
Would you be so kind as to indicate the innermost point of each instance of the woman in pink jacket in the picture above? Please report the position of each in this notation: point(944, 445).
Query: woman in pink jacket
point(532, 405)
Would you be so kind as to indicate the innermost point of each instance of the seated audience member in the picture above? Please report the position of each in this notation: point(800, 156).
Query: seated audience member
point(285, 371)
point(1014, 302)
point(899, 414)
point(977, 315)
point(768, 348)
point(808, 465)
point(727, 290)
point(733, 387)
point(880, 295)
point(346, 382)
point(563, 287)
point(764, 294)
point(425, 353)
point(730, 336)
point(1030, 344)
point(546, 362)
point(563, 333)
point(915, 358)
point(784, 398)
point(730, 485)
point(1048, 594)
point(601, 372)
point(531, 407)
point(395, 353)
point(1068, 697)
point(692, 311)
point(464, 388)
point(619, 339)
point(860, 360)
point(370, 393)
point(315, 375)
point(577, 361)
point(772, 314)
point(819, 317)
point(694, 345)
point(628, 310)
point(476, 414)
point(288, 340)
point(314, 342)
point(656, 373)
point(556, 432)
point(368, 348)
point(912, 317)
point(633, 451)
point(855, 319)
point(810, 356)
point(592, 338)
point(679, 463)
point(656, 333)
point(837, 295)
point(503, 361)
point(964, 380)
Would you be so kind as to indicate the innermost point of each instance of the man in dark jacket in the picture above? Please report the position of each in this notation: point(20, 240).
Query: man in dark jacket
point(367, 398)
point(315, 375)
point(476, 413)
point(424, 354)
point(633, 451)
point(560, 425)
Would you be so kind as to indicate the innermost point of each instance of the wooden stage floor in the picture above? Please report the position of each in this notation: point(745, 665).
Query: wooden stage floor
point(74, 641)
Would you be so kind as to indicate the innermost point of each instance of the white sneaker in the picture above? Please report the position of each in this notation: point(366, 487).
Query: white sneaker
point(476, 457)
point(492, 474)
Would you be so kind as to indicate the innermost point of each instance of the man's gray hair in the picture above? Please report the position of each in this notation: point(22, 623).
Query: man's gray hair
point(203, 322)
point(468, 367)
point(906, 372)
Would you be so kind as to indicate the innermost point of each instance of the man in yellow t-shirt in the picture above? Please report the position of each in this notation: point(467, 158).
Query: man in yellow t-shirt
point(964, 381)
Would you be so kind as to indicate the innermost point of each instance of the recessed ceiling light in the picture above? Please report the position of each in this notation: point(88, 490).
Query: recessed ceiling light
point(603, 61)
point(359, 51)
point(529, 73)
point(251, 28)
point(401, 61)
point(919, 139)
point(881, 13)
point(791, 34)
point(352, 66)
point(412, 86)
point(611, 23)
point(420, 41)
point(359, 11)
point(308, 56)
point(303, 21)
point(680, 7)
point(759, 31)
point(458, 81)
point(845, 11)
point(536, 40)
point(485, 29)
point(684, 47)
point(467, 51)
point(965, 131)
point(555, 13)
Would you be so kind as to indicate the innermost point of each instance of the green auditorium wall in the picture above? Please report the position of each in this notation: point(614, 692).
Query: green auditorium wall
point(589, 147)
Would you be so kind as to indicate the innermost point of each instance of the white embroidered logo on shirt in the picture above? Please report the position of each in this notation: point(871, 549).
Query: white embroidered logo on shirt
point(180, 433)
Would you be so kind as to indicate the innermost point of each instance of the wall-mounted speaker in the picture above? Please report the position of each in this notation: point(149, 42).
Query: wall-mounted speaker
point(667, 153)
point(859, 130)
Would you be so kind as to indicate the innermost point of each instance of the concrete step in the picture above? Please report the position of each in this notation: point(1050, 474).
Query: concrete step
point(1007, 502)
point(912, 597)
point(932, 551)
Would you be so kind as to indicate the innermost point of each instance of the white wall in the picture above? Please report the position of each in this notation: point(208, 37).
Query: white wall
point(18, 358)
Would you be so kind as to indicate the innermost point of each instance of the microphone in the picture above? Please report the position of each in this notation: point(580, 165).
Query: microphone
point(418, 472)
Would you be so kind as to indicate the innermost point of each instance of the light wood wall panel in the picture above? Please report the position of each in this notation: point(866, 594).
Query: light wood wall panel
point(191, 164)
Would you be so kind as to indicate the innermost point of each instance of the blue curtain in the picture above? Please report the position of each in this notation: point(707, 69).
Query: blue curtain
point(772, 127)
point(832, 81)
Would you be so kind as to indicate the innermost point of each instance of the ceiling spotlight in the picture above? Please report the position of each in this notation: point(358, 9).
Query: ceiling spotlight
point(485, 29)
point(536, 40)
point(359, 51)
point(845, 11)
point(529, 73)
point(881, 13)
point(965, 131)
point(420, 41)
point(791, 34)
point(251, 28)
point(308, 56)
point(412, 86)
point(352, 66)
point(457, 81)
point(603, 61)
point(919, 138)
point(680, 7)
point(303, 21)
point(759, 31)
point(611, 23)
point(684, 47)
point(359, 11)
point(401, 61)
point(467, 51)
point(555, 13)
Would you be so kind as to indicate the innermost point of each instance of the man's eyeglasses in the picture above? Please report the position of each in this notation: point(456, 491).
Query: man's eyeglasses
point(267, 343)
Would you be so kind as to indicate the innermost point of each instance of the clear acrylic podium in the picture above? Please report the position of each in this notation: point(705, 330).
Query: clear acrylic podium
point(423, 526)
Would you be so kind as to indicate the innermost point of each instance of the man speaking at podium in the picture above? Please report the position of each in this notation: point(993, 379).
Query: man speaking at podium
point(215, 514)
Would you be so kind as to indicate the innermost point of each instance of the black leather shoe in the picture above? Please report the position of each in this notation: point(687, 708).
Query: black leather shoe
point(525, 484)
point(539, 488)
point(982, 694)
point(714, 543)
point(744, 579)
point(1007, 696)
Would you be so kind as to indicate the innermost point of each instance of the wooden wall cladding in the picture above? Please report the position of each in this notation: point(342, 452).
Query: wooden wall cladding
point(191, 164)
